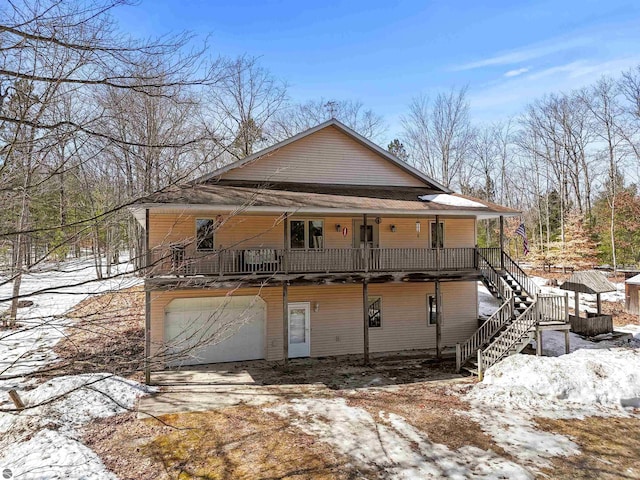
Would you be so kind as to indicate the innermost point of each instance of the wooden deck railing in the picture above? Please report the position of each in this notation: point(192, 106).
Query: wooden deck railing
point(545, 308)
point(175, 261)
point(499, 319)
point(500, 260)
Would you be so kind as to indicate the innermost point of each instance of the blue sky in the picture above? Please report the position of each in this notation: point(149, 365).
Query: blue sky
point(385, 52)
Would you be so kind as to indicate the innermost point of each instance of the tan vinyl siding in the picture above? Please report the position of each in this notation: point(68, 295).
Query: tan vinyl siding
point(336, 328)
point(404, 318)
point(267, 231)
point(337, 325)
point(327, 156)
point(459, 311)
point(239, 231)
point(459, 232)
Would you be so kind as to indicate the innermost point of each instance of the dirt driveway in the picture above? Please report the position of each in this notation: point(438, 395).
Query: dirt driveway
point(259, 382)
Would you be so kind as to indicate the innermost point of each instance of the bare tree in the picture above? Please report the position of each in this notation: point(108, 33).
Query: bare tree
point(243, 103)
point(603, 104)
point(298, 117)
point(439, 134)
point(58, 57)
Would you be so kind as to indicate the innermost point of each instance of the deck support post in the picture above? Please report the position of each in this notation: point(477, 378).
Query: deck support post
point(538, 342)
point(480, 366)
point(458, 358)
point(366, 242)
point(287, 244)
point(599, 303)
point(576, 306)
point(567, 346)
point(285, 321)
point(147, 302)
point(365, 318)
point(438, 320)
point(147, 335)
point(501, 242)
point(438, 241)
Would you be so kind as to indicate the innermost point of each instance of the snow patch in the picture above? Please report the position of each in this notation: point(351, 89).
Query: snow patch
point(394, 447)
point(451, 200)
point(588, 382)
point(42, 440)
point(487, 303)
point(610, 378)
point(50, 455)
point(553, 341)
point(587, 301)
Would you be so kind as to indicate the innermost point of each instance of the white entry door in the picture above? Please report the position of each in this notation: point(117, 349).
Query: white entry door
point(299, 329)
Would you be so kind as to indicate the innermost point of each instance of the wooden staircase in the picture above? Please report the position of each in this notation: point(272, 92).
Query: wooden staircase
point(512, 327)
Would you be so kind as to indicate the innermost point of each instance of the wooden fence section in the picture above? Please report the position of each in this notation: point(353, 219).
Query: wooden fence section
point(176, 261)
point(592, 326)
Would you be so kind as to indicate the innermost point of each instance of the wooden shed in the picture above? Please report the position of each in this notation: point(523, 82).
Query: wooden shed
point(632, 294)
point(593, 283)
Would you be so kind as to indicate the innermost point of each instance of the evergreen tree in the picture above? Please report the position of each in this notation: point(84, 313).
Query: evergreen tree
point(396, 147)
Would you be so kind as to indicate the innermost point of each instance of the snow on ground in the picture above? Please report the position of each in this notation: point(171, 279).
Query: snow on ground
point(391, 445)
point(587, 301)
point(42, 441)
point(553, 342)
point(73, 401)
point(587, 382)
point(487, 303)
point(28, 348)
point(600, 377)
point(52, 456)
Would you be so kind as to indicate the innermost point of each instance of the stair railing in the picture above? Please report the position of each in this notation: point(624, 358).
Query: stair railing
point(492, 276)
point(508, 339)
point(500, 318)
point(528, 285)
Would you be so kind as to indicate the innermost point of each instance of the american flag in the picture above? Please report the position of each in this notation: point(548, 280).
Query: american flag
point(523, 233)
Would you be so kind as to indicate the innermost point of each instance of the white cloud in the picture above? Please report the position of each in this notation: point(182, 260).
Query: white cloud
point(527, 53)
point(510, 94)
point(516, 72)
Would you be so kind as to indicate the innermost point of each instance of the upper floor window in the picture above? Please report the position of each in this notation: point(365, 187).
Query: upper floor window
point(204, 234)
point(437, 236)
point(306, 234)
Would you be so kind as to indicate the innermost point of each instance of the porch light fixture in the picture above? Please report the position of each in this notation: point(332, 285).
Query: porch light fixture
point(316, 306)
point(338, 227)
point(378, 220)
point(417, 226)
point(393, 228)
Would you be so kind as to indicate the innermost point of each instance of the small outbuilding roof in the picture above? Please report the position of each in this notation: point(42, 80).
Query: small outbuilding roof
point(633, 280)
point(589, 281)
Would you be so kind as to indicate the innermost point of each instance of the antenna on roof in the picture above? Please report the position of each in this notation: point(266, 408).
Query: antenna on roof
point(331, 106)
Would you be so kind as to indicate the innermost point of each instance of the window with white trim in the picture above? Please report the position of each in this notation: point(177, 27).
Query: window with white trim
point(204, 234)
point(306, 234)
point(375, 312)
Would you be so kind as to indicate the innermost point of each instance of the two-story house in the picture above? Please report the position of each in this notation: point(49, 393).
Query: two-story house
point(324, 244)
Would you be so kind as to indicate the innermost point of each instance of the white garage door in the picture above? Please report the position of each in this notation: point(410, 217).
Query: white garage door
point(215, 329)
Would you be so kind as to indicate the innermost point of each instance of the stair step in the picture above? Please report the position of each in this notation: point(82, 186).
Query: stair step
point(472, 371)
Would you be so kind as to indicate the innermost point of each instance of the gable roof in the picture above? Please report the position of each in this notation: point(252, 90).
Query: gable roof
point(345, 130)
point(393, 201)
point(633, 280)
point(590, 281)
